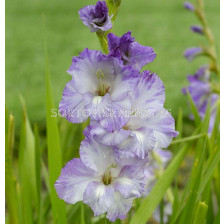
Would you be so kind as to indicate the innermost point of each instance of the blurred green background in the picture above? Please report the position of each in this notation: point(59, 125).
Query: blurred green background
point(161, 24)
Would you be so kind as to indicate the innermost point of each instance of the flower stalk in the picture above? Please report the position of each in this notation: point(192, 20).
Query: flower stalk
point(208, 34)
point(102, 36)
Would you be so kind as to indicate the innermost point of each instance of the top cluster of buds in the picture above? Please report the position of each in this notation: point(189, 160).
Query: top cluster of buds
point(110, 172)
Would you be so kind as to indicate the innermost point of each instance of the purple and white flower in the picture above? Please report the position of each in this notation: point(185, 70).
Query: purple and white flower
point(149, 127)
point(197, 29)
point(189, 6)
point(130, 51)
point(102, 180)
point(201, 93)
point(191, 53)
point(96, 17)
point(100, 85)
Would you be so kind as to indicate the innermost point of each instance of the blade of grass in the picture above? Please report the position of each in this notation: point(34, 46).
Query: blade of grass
point(38, 172)
point(194, 110)
point(191, 203)
point(207, 198)
point(206, 120)
point(26, 171)
point(209, 169)
point(161, 211)
point(191, 138)
point(11, 134)
point(216, 129)
point(196, 175)
point(82, 214)
point(200, 213)
point(10, 185)
point(182, 203)
point(179, 123)
point(217, 218)
point(54, 151)
point(176, 200)
point(207, 173)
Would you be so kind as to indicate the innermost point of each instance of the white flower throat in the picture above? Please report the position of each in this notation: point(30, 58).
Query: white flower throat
point(107, 177)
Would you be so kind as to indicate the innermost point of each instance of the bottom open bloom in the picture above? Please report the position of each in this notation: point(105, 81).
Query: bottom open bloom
point(102, 180)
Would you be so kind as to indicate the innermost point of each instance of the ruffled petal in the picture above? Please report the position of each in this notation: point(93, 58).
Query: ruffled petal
point(86, 16)
point(99, 197)
point(72, 182)
point(119, 208)
point(113, 118)
point(163, 126)
point(129, 51)
point(84, 70)
point(140, 55)
point(107, 138)
point(96, 156)
point(139, 143)
point(149, 94)
point(73, 104)
point(130, 181)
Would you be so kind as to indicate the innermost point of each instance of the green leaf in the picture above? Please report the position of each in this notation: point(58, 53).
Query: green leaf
point(186, 191)
point(161, 211)
point(82, 214)
point(196, 175)
point(217, 218)
point(216, 130)
point(176, 200)
point(206, 120)
point(207, 198)
point(54, 151)
point(27, 172)
point(200, 213)
point(194, 110)
point(71, 139)
point(191, 138)
point(150, 203)
point(38, 172)
point(179, 123)
point(209, 169)
point(10, 184)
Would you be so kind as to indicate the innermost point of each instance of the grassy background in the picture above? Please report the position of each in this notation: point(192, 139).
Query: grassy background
point(161, 24)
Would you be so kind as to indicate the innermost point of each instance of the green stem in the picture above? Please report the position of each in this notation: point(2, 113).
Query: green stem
point(200, 12)
point(103, 40)
point(170, 196)
point(113, 6)
point(191, 138)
